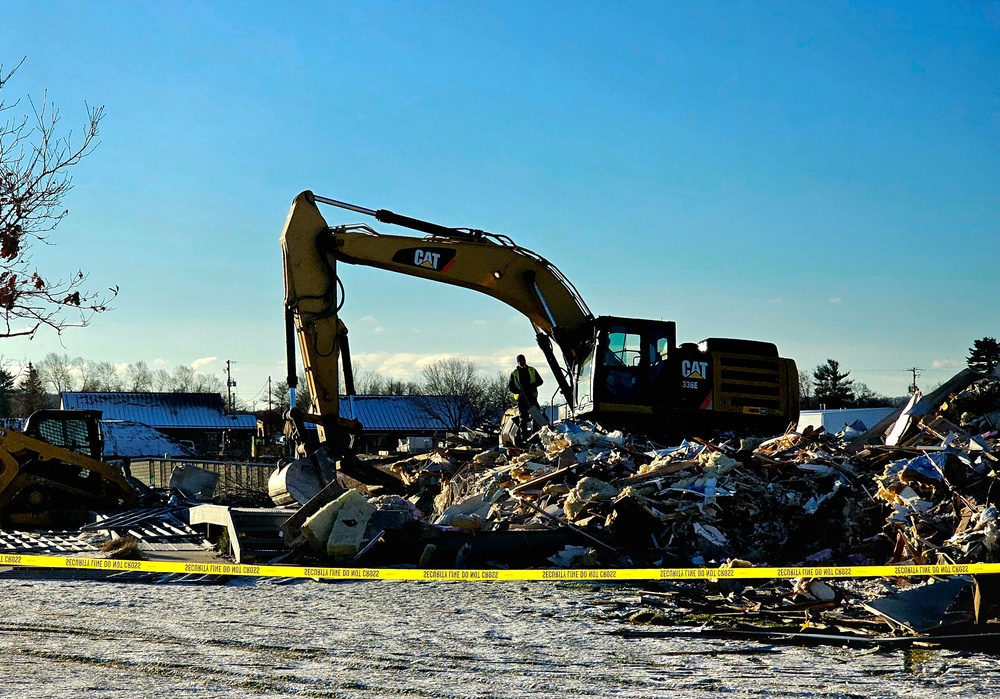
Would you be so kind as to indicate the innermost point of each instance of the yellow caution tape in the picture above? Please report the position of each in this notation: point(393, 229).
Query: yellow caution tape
point(579, 574)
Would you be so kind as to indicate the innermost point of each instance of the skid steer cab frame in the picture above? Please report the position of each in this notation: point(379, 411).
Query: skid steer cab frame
point(52, 475)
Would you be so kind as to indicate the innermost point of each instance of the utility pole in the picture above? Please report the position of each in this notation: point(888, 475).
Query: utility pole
point(270, 415)
point(913, 386)
point(230, 385)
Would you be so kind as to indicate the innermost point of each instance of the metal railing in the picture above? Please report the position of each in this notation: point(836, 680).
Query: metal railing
point(234, 478)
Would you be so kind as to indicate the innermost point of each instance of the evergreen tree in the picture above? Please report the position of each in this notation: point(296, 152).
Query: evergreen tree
point(7, 392)
point(984, 355)
point(833, 388)
point(31, 395)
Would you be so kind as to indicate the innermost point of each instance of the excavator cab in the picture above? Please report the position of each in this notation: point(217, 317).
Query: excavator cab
point(636, 377)
point(626, 362)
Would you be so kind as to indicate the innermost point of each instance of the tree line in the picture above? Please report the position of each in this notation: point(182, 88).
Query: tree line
point(463, 394)
point(40, 384)
point(828, 385)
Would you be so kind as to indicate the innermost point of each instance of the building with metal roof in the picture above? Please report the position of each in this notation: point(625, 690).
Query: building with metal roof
point(395, 413)
point(123, 438)
point(199, 418)
point(387, 419)
point(205, 411)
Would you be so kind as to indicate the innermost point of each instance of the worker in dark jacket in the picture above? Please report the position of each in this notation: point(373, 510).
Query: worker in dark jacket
point(524, 383)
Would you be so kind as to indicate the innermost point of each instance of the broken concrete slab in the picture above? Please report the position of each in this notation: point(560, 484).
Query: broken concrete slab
point(348, 531)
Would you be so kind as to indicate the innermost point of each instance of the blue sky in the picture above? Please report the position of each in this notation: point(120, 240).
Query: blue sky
point(820, 175)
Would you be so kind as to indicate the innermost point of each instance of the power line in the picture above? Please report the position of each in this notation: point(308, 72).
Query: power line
point(907, 369)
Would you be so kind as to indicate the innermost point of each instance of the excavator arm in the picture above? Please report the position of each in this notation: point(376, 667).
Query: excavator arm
point(488, 263)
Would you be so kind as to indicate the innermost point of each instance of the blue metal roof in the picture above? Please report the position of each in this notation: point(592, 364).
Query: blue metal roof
point(162, 410)
point(124, 438)
point(393, 413)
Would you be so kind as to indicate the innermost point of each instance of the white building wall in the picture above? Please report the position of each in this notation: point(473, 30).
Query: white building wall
point(835, 420)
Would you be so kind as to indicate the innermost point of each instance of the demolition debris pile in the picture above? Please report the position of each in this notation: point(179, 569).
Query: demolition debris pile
point(917, 488)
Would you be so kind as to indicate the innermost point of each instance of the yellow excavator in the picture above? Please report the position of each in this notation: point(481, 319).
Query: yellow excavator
point(621, 372)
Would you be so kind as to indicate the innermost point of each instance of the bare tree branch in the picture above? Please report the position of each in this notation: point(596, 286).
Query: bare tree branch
point(34, 179)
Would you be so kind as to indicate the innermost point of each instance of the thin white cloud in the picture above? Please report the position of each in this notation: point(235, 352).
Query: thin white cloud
point(946, 364)
point(479, 322)
point(835, 299)
point(204, 361)
point(408, 365)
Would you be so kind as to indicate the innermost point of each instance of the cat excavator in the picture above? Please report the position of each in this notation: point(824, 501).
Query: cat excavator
point(621, 372)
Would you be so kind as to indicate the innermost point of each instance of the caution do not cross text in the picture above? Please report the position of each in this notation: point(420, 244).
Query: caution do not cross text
point(472, 575)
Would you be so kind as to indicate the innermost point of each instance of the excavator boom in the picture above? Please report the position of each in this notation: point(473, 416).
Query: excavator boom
point(489, 263)
point(485, 262)
point(507, 272)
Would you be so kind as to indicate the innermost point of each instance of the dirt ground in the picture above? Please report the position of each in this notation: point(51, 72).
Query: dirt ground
point(258, 638)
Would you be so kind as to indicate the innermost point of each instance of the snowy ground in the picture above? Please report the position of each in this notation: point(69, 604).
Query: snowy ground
point(368, 639)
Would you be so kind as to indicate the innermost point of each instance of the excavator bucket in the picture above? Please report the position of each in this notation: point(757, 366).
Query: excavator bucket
point(300, 480)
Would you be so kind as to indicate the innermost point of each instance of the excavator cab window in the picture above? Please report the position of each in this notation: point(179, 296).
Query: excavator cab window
point(584, 383)
point(660, 344)
point(624, 347)
point(623, 358)
point(635, 357)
